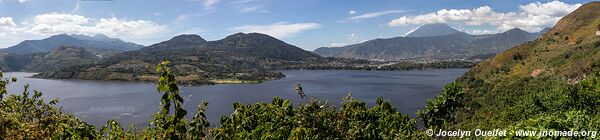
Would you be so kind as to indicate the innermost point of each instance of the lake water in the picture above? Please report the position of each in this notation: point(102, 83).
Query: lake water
point(129, 102)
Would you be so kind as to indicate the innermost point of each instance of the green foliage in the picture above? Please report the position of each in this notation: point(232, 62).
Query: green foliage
point(585, 95)
point(27, 116)
point(523, 103)
point(517, 56)
point(3, 86)
point(439, 110)
point(175, 126)
point(316, 120)
point(51, 60)
point(171, 125)
point(550, 81)
point(199, 123)
point(531, 104)
point(112, 130)
point(575, 120)
point(247, 57)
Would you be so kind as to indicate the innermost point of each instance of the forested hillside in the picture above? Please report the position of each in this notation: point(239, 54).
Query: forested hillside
point(238, 58)
point(549, 83)
point(58, 58)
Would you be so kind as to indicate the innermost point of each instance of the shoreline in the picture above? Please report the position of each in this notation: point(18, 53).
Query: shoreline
point(227, 81)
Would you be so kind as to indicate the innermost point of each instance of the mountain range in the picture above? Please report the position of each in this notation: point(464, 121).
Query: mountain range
point(435, 29)
point(431, 41)
point(60, 51)
point(241, 57)
point(98, 44)
point(58, 58)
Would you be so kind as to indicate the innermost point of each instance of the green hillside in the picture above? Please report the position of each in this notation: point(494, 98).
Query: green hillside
point(238, 58)
point(548, 83)
point(57, 58)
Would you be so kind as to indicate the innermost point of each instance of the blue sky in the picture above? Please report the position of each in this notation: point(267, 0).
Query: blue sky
point(308, 24)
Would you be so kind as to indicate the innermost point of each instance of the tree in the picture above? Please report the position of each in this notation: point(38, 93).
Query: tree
point(174, 126)
point(317, 120)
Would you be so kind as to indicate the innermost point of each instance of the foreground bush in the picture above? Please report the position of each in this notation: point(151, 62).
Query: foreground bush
point(316, 120)
point(521, 104)
point(438, 111)
point(553, 105)
point(28, 116)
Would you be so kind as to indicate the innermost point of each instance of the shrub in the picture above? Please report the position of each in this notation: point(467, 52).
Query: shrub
point(585, 95)
point(316, 120)
point(28, 116)
point(439, 110)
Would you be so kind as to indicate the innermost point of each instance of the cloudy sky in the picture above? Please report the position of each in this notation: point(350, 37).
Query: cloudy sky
point(308, 24)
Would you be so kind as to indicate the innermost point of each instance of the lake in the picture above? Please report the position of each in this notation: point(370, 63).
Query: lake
point(98, 101)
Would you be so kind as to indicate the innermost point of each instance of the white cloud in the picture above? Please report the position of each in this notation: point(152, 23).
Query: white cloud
point(126, 29)
point(208, 4)
point(351, 12)
point(20, 1)
point(531, 17)
point(482, 32)
point(249, 9)
point(56, 23)
point(278, 30)
point(554, 8)
point(337, 44)
point(57, 19)
point(373, 15)
point(8, 28)
point(7, 21)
